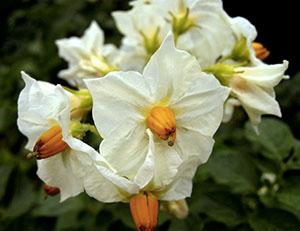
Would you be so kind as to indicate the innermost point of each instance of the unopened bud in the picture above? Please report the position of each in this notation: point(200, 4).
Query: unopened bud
point(178, 209)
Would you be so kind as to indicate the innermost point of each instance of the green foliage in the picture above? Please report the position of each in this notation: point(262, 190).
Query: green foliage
point(231, 191)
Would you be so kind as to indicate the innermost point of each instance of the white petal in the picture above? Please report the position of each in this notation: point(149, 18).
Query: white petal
point(191, 143)
point(105, 186)
point(93, 38)
point(99, 179)
point(142, 18)
point(71, 75)
point(56, 171)
point(242, 27)
point(71, 49)
point(39, 106)
point(146, 171)
point(206, 41)
point(229, 106)
point(201, 108)
point(183, 184)
point(168, 77)
point(119, 99)
point(264, 75)
point(130, 58)
point(257, 101)
point(167, 161)
point(126, 152)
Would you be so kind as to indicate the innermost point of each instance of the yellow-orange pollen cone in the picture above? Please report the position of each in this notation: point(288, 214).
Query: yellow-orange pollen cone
point(50, 190)
point(49, 144)
point(260, 51)
point(144, 210)
point(162, 122)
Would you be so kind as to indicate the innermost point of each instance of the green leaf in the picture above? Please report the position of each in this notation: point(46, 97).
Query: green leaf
point(220, 206)
point(192, 222)
point(23, 198)
point(5, 172)
point(122, 212)
point(273, 220)
point(294, 161)
point(289, 197)
point(235, 170)
point(51, 207)
point(275, 139)
point(68, 221)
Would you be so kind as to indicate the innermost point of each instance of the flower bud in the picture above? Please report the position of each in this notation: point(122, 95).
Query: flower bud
point(178, 209)
point(144, 210)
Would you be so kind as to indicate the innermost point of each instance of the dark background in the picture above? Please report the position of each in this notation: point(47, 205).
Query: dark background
point(277, 23)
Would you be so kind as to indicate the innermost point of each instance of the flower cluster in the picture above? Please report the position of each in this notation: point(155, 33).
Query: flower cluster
point(156, 103)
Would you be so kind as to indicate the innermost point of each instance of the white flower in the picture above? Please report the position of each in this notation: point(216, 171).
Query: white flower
point(106, 185)
point(254, 88)
point(200, 27)
point(87, 56)
point(44, 110)
point(181, 105)
point(144, 29)
point(240, 45)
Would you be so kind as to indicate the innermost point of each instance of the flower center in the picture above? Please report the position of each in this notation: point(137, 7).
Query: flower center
point(49, 144)
point(144, 210)
point(162, 122)
point(97, 65)
point(151, 41)
point(182, 21)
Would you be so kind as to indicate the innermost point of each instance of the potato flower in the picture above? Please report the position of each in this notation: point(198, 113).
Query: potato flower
point(199, 27)
point(44, 117)
point(252, 86)
point(181, 105)
point(87, 56)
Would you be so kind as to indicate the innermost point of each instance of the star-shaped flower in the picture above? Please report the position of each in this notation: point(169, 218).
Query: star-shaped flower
point(178, 103)
point(87, 56)
point(44, 117)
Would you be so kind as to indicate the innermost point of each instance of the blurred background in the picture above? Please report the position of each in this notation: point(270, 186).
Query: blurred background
point(249, 183)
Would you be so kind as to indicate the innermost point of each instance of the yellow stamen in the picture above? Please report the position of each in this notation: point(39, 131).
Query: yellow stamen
point(260, 51)
point(162, 122)
point(144, 210)
point(50, 143)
